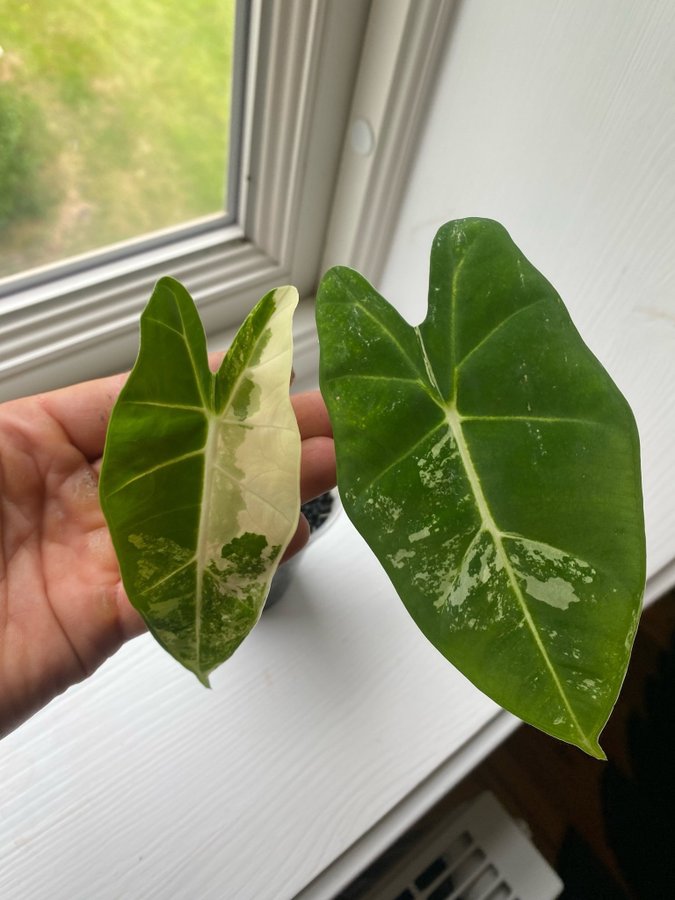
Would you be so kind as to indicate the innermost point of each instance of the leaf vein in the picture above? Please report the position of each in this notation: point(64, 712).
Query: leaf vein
point(208, 402)
point(157, 403)
point(386, 330)
point(427, 363)
point(552, 419)
point(246, 423)
point(162, 465)
point(400, 458)
point(250, 490)
point(166, 325)
point(165, 578)
point(453, 317)
point(490, 526)
point(484, 340)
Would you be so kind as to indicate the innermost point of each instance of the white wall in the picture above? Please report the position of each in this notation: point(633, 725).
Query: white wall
point(557, 117)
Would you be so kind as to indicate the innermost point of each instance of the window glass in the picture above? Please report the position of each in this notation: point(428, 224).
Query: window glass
point(114, 121)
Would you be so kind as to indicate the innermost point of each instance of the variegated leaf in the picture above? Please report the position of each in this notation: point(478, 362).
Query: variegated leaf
point(493, 467)
point(200, 476)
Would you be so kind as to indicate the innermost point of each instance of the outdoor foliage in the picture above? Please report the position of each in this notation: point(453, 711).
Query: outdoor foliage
point(134, 96)
point(24, 154)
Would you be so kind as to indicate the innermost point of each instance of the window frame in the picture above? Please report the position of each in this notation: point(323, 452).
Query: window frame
point(307, 198)
point(97, 259)
point(78, 321)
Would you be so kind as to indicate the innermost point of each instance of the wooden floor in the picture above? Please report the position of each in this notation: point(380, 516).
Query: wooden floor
point(608, 828)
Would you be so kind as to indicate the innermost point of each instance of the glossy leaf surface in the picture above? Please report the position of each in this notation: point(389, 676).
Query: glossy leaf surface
point(493, 467)
point(200, 476)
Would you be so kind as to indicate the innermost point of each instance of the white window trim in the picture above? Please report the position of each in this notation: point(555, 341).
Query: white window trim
point(402, 51)
point(305, 202)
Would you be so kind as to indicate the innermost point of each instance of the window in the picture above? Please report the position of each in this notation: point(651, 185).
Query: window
point(295, 203)
point(80, 319)
point(114, 122)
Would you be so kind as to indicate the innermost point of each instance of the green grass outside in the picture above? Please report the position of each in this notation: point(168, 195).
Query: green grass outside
point(114, 121)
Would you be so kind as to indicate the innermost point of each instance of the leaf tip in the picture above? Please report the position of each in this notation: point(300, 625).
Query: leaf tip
point(203, 678)
point(591, 746)
point(286, 295)
point(594, 749)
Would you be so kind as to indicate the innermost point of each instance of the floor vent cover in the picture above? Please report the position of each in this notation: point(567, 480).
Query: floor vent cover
point(479, 853)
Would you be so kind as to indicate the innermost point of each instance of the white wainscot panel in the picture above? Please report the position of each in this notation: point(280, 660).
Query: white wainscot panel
point(141, 783)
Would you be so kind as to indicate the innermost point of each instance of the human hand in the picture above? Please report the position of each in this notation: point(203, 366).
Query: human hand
point(63, 609)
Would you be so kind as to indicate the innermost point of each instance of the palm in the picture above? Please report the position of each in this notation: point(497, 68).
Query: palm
point(63, 609)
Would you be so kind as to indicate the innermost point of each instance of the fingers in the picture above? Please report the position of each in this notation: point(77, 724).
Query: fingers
point(317, 467)
point(312, 415)
point(298, 540)
point(83, 410)
point(317, 475)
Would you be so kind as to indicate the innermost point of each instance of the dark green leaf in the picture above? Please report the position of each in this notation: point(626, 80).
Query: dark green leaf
point(200, 476)
point(493, 467)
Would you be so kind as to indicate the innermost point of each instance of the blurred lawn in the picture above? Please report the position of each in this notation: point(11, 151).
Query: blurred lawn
point(113, 121)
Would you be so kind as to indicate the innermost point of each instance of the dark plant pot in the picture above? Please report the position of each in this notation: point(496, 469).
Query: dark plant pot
point(320, 513)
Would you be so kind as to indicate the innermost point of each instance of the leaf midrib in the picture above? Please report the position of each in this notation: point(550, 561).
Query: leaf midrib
point(210, 454)
point(215, 419)
point(454, 422)
point(490, 526)
point(562, 420)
